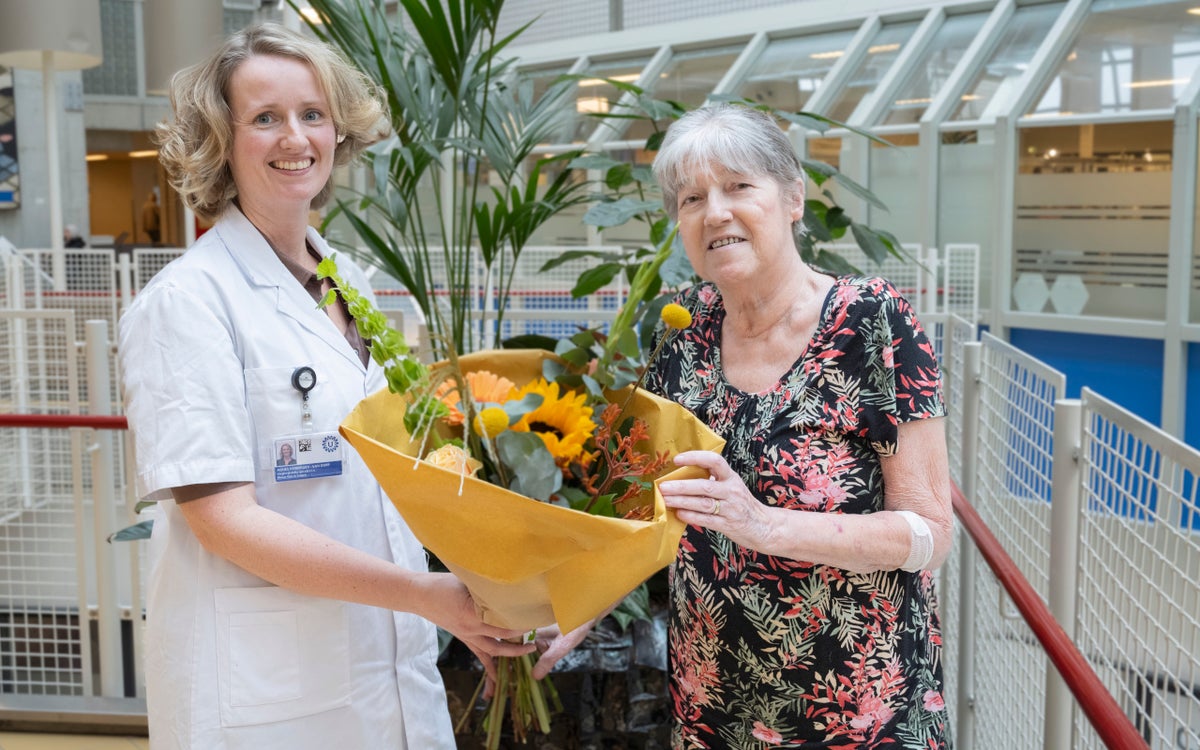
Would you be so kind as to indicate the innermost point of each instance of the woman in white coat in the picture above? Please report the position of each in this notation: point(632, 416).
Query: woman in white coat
point(289, 606)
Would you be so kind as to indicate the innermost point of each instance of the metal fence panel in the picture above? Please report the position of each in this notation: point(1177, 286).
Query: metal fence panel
point(43, 650)
point(1016, 428)
point(1138, 607)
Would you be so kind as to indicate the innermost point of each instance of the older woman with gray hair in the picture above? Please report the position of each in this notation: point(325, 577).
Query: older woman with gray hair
point(802, 603)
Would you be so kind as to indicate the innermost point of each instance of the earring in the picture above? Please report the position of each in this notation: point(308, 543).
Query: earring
point(341, 138)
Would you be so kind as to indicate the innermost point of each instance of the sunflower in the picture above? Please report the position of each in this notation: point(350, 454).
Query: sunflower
point(563, 422)
point(485, 387)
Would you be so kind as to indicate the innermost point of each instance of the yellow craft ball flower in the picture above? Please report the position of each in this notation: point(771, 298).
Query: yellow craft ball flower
point(676, 316)
point(491, 422)
point(453, 458)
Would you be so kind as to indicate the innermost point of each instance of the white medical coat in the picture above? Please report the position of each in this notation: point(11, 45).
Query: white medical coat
point(207, 352)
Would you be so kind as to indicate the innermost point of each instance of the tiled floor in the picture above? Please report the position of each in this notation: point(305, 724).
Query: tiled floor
point(39, 741)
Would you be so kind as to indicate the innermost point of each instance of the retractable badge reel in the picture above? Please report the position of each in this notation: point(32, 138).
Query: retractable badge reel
point(303, 380)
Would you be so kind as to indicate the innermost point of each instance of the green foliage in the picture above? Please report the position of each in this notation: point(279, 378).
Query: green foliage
point(459, 173)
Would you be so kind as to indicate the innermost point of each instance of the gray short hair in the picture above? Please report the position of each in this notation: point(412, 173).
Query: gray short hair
point(732, 136)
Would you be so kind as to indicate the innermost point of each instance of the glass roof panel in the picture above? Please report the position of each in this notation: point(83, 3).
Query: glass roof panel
point(1128, 57)
point(596, 95)
point(882, 52)
point(935, 66)
point(1018, 43)
point(789, 71)
point(689, 78)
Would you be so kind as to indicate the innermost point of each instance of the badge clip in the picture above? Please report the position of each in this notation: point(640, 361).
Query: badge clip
point(303, 380)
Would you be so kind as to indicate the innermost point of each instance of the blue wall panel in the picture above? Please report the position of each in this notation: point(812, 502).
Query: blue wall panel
point(1191, 433)
point(1125, 370)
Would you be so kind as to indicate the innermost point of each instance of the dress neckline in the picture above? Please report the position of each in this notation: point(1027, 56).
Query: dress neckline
point(718, 355)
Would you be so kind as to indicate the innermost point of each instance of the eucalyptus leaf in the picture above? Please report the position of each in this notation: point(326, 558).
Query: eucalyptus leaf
point(517, 409)
point(533, 470)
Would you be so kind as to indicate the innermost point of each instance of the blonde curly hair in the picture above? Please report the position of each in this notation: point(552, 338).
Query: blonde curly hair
point(194, 146)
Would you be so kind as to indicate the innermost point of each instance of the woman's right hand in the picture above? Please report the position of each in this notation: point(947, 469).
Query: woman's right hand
point(452, 609)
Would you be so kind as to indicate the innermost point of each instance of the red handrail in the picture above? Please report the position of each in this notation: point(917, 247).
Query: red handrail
point(1110, 722)
point(96, 421)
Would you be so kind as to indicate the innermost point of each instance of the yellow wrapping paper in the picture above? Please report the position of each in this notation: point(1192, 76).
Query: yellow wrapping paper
point(526, 563)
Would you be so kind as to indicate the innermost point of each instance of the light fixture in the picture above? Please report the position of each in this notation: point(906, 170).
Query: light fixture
point(883, 48)
point(827, 55)
point(311, 15)
point(909, 102)
point(1157, 83)
point(1194, 11)
point(591, 105)
point(96, 157)
point(143, 154)
point(623, 78)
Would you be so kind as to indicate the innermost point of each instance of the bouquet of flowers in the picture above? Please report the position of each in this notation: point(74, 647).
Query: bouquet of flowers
point(531, 475)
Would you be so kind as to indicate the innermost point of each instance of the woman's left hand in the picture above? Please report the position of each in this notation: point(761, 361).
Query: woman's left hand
point(721, 503)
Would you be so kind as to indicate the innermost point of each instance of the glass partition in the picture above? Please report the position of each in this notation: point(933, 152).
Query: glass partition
point(993, 84)
point(933, 68)
point(689, 78)
point(893, 179)
point(1092, 229)
point(967, 195)
point(789, 71)
point(884, 50)
point(1128, 57)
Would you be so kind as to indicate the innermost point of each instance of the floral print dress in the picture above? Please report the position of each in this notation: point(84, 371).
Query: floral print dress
point(772, 652)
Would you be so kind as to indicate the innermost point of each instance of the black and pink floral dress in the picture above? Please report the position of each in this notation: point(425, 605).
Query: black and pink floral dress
point(771, 652)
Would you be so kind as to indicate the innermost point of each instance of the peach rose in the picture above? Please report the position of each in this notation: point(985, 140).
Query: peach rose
point(452, 458)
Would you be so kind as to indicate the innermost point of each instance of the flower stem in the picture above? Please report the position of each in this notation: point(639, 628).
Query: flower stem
point(540, 710)
point(495, 718)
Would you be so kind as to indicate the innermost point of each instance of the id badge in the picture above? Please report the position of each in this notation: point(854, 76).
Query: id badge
point(308, 456)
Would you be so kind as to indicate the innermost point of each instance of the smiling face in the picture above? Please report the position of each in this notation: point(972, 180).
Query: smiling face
point(283, 135)
point(737, 227)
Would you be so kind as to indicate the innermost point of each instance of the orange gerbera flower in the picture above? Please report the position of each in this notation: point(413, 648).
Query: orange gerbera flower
point(485, 387)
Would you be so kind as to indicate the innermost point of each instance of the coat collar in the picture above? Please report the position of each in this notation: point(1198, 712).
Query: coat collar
point(252, 253)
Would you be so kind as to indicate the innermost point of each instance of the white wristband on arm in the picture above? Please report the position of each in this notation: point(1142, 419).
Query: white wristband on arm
point(920, 551)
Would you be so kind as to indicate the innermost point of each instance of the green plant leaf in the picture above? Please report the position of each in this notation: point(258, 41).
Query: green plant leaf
point(872, 243)
point(635, 606)
point(137, 531)
point(618, 212)
point(534, 473)
point(595, 278)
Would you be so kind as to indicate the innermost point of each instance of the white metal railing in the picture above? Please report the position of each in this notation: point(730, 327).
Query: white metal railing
point(1101, 513)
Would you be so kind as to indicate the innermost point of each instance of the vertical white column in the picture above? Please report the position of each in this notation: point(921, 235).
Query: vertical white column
point(104, 516)
point(1064, 561)
point(965, 700)
point(58, 260)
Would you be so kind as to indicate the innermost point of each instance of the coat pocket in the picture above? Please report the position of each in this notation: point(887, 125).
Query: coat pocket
point(280, 655)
